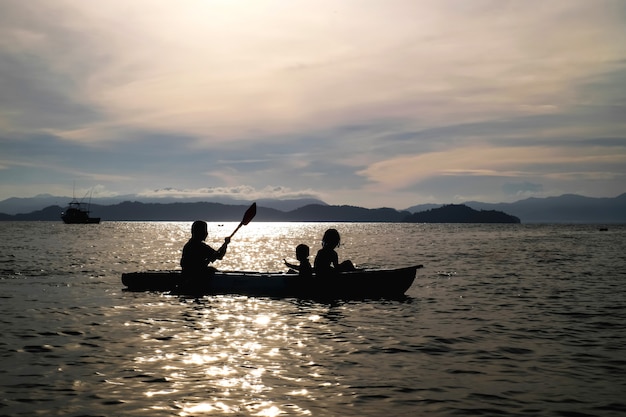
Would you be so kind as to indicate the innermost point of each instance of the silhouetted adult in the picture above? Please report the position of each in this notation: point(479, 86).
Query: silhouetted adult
point(327, 261)
point(197, 255)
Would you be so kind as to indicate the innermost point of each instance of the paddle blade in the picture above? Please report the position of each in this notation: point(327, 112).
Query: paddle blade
point(250, 213)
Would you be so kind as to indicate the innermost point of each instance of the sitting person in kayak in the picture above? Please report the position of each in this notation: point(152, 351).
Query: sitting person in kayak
point(197, 255)
point(327, 260)
point(302, 254)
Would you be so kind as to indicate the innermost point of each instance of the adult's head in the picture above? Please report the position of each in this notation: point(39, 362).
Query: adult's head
point(199, 230)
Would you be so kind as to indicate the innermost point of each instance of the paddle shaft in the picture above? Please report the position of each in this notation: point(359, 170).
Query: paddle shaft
point(233, 233)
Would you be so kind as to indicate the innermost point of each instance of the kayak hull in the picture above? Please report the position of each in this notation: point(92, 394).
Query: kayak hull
point(387, 283)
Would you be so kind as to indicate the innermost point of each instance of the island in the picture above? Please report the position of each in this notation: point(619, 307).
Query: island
point(460, 213)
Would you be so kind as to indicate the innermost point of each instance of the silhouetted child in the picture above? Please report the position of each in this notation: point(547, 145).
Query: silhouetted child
point(327, 260)
point(197, 255)
point(302, 254)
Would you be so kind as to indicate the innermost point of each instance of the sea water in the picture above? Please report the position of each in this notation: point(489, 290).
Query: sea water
point(502, 320)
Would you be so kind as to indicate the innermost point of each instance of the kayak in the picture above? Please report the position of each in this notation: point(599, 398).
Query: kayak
point(359, 284)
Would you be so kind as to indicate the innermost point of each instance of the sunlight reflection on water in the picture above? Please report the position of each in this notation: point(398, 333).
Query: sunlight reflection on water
point(504, 319)
point(228, 356)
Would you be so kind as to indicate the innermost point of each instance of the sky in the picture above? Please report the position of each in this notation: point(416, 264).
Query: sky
point(369, 103)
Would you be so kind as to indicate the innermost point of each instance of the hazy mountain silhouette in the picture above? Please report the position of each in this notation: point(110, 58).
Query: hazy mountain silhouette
point(568, 208)
point(15, 205)
point(326, 213)
point(138, 211)
point(563, 209)
point(50, 213)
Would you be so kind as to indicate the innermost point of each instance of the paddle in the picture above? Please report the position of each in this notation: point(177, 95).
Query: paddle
point(249, 215)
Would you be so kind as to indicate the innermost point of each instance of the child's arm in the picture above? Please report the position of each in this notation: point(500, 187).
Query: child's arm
point(292, 266)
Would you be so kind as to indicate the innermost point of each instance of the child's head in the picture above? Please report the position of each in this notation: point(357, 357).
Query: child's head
point(302, 252)
point(331, 238)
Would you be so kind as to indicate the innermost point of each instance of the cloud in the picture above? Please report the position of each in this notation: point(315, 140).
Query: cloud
point(241, 192)
point(481, 160)
point(345, 98)
point(225, 71)
point(521, 188)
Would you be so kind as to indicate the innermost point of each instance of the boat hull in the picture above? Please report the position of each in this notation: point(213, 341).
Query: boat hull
point(88, 220)
point(390, 283)
point(74, 214)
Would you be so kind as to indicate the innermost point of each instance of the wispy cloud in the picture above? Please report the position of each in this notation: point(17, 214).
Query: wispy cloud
point(344, 98)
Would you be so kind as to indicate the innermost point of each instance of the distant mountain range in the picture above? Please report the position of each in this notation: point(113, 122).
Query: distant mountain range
point(568, 208)
point(564, 209)
point(15, 205)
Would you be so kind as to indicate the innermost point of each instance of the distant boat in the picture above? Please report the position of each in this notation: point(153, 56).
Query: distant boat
point(76, 213)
